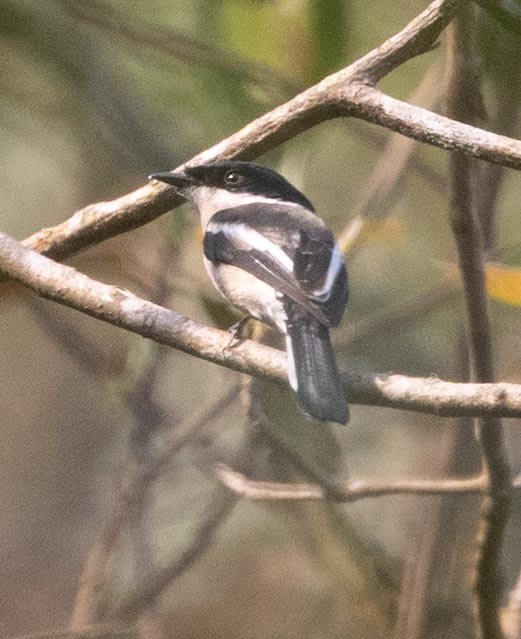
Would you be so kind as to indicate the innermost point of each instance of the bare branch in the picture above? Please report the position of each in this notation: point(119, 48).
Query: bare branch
point(220, 507)
point(348, 492)
point(349, 92)
point(135, 481)
point(374, 106)
point(379, 193)
point(511, 617)
point(122, 308)
point(462, 96)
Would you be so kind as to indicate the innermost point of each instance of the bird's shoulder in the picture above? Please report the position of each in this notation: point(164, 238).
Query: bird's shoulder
point(287, 246)
point(284, 224)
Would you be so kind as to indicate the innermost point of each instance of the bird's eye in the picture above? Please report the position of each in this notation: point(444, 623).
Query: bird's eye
point(234, 177)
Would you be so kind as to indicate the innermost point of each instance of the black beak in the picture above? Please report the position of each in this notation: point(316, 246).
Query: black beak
point(180, 180)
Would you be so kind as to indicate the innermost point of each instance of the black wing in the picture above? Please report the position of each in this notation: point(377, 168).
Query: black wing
point(319, 267)
point(297, 257)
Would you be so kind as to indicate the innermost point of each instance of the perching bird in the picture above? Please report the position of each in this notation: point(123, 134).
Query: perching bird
point(272, 257)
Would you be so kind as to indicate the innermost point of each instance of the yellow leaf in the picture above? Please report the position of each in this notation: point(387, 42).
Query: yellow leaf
point(504, 283)
point(387, 231)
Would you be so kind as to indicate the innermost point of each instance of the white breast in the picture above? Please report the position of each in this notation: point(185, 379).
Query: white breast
point(247, 293)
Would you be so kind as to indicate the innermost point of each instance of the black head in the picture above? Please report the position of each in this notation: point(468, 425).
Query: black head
point(237, 177)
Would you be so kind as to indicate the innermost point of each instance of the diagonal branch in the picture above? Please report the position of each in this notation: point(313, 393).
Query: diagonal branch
point(220, 508)
point(419, 36)
point(122, 308)
point(349, 92)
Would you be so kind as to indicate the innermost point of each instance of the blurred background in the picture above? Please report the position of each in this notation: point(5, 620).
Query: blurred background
point(95, 96)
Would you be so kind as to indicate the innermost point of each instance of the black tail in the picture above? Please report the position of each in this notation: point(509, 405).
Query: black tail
point(313, 372)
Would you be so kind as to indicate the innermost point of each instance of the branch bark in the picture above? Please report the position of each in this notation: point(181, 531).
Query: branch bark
point(349, 92)
point(463, 96)
point(348, 492)
point(122, 308)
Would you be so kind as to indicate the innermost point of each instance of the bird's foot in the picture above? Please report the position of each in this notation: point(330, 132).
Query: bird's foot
point(237, 333)
point(238, 329)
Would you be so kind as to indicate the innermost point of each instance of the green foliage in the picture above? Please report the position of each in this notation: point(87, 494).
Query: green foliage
point(330, 21)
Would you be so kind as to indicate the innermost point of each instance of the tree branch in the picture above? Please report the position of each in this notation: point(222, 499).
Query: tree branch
point(349, 92)
point(218, 511)
point(122, 308)
point(463, 97)
point(349, 491)
point(511, 617)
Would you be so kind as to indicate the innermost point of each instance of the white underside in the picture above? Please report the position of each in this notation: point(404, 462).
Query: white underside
point(244, 291)
point(248, 293)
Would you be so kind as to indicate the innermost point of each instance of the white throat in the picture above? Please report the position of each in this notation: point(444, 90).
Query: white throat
point(209, 200)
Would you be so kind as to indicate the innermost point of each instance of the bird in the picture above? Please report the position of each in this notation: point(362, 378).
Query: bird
point(272, 257)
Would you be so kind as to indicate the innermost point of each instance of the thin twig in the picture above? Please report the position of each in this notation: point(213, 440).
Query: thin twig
point(349, 491)
point(381, 187)
point(122, 308)
point(463, 95)
point(221, 505)
point(133, 483)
